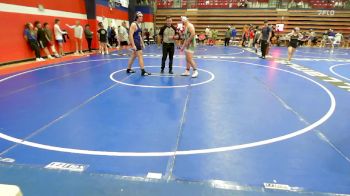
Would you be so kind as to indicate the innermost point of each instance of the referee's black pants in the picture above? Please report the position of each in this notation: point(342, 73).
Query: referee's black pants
point(264, 46)
point(168, 48)
point(34, 45)
point(227, 41)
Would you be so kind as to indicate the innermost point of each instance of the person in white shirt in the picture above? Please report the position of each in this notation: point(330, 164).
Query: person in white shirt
point(59, 36)
point(123, 38)
point(301, 4)
point(207, 32)
point(338, 38)
point(78, 35)
point(312, 38)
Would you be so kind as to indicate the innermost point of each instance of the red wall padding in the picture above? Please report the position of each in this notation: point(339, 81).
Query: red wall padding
point(104, 11)
point(13, 45)
point(15, 48)
point(147, 17)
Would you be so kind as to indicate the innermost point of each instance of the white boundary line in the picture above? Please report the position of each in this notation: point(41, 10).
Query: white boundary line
point(241, 52)
point(187, 152)
point(162, 87)
point(335, 73)
point(324, 52)
point(197, 54)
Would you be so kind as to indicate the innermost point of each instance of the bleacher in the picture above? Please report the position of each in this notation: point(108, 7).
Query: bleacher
point(225, 4)
point(212, 4)
point(321, 4)
point(219, 19)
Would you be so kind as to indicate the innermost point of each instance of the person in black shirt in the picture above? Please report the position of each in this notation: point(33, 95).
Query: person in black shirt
point(265, 38)
point(272, 39)
point(88, 35)
point(294, 38)
point(42, 40)
point(147, 36)
point(168, 35)
point(102, 37)
point(113, 35)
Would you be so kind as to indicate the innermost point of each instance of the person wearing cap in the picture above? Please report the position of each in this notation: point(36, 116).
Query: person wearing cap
point(189, 46)
point(264, 39)
point(168, 34)
point(294, 38)
point(136, 41)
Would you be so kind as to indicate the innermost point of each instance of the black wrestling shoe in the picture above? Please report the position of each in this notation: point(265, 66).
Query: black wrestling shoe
point(171, 71)
point(145, 73)
point(130, 71)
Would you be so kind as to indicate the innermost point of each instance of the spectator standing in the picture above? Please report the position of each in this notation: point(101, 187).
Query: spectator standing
point(256, 38)
point(30, 37)
point(78, 35)
point(49, 37)
point(233, 34)
point(102, 37)
point(324, 39)
point(42, 39)
point(312, 38)
point(207, 33)
point(88, 36)
point(123, 38)
point(147, 35)
point(331, 36)
point(228, 36)
point(59, 36)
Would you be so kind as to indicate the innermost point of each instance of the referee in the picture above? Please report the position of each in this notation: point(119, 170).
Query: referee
point(264, 38)
point(169, 35)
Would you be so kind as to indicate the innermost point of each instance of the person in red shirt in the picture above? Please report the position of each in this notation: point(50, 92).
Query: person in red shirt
point(251, 37)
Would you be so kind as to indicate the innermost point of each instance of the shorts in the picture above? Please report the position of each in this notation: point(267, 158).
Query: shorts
point(59, 41)
point(138, 45)
point(124, 43)
point(336, 42)
point(43, 44)
point(33, 44)
point(190, 49)
point(293, 44)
